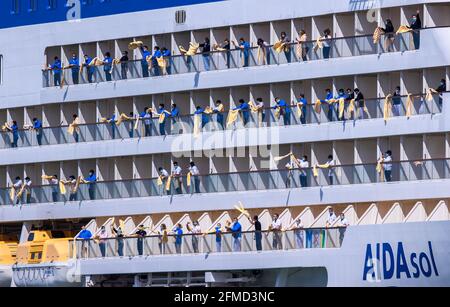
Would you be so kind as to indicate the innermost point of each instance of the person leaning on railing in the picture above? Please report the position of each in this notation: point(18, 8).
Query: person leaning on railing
point(37, 127)
point(85, 237)
point(124, 65)
point(298, 228)
point(74, 65)
point(276, 228)
point(140, 234)
point(90, 69)
point(163, 239)
point(258, 231)
point(14, 129)
point(178, 231)
point(389, 32)
point(236, 232)
point(119, 236)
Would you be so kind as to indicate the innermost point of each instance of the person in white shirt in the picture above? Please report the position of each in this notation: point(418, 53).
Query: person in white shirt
point(176, 174)
point(102, 236)
point(164, 175)
point(196, 231)
point(290, 167)
point(276, 228)
point(330, 163)
point(304, 166)
point(28, 189)
point(260, 106)
point(343, 221)
point(331, 217)
point(387, 165)
point(17, 186)
point(343, 224)
point(299, 233)
point(195, 173)
point(55, 188)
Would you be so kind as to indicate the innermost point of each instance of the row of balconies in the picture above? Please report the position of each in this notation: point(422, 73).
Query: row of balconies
point(352, 33)
point(262, 180)
point(309, 114)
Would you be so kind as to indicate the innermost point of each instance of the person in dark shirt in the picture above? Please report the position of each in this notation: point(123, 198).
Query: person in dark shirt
point(124, 64)
point(416, 25)
point(144, 64)
point(37, 126)
point(258, 234)
point(89, 69)
point(74, 65)
point(227, 46)
point(396, 101)
point(107, 66)
point(56, 68)
point(389, 32)
point(440, 89)
point(119, 235)
point(141, 234)
point(359, 100)
point(206, 49)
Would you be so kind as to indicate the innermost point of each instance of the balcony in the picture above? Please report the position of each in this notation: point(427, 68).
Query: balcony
point(340, 175)
point(185, 124)
point(233, 59)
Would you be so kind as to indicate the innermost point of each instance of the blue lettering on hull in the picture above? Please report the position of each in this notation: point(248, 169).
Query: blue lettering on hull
point(393, 262)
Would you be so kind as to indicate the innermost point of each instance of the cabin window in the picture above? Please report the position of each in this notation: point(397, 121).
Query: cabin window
point(33, 6)
point(15, 6)
point(51, 4)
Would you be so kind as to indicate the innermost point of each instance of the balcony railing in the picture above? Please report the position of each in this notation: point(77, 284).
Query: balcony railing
point(234, 58)
point(402, 171)
point(188, 244)
point(185, 124)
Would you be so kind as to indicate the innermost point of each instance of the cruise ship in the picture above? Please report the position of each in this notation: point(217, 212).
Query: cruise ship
point(224, 143)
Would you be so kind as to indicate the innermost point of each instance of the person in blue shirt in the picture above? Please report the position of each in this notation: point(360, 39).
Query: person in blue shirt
point(74, 64)
point(218, 110)
point(144, 64)
point(218, 232)
point(162, 125)
point(156, 55)
point(328, 97)
point(178, 238)
point(37, 126)
point(168, 56)
point(14, 129)
point(304, 103)
point(245, 50)
point(56, 68)
point(174, 113)
point(236, 233)
point(107, 66)
point(91, 180)
point(285, 110)
point(89, 69)
point(85, 236)
point(146, 116)
point(112, 121)
point(244, 108)
point(200, 111)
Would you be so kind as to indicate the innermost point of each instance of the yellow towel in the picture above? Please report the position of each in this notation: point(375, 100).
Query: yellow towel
point(96, 62)
point(352, 107)
point(341, 108)
point(169, 180)
point(317, 106)
point(277, 113)
point(159, 181)
point(377, 35)
point(209, 110)
point(387, 109)
point(161, 62)
point(429, 96)
point(135, 44)
point(299, 109)
point(62, 188)
point(279, 46)
point(315, 171)
point(409, 105)
point(232, 117)
point(193, 47)
point(188, 179)
point(136, 124)
point(19, 194)
point(261, 56)
point(403, 29)
point(46, 177)
point(12, 193)
point(319, 44)
point(380, 165)
point(197, 124)
point(162, 117)
point(114, 63)
point(282, 157)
